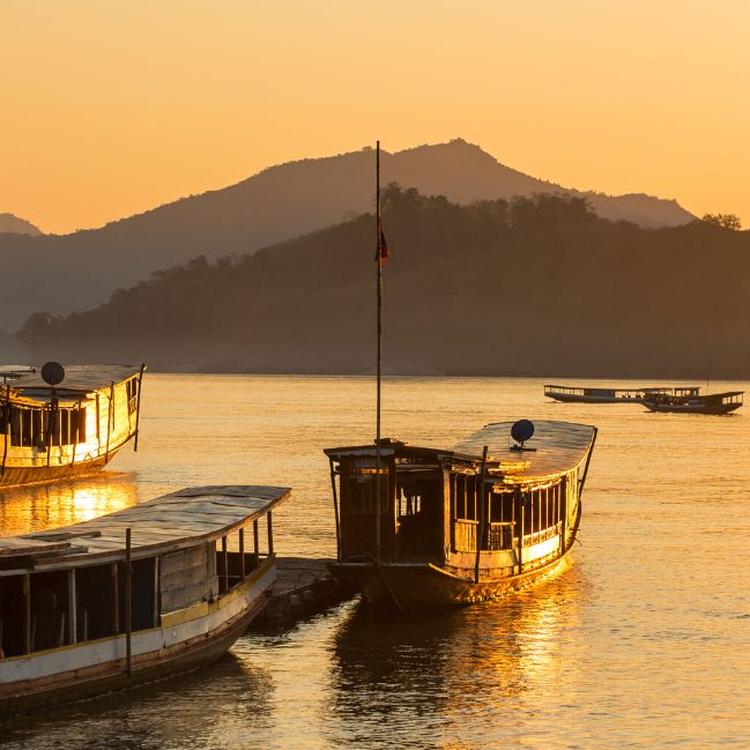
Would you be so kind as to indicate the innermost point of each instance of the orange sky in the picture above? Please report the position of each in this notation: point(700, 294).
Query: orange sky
point(111, 107)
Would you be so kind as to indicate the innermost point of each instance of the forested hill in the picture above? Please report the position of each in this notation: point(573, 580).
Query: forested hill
point(532, 286)
point(74, 272)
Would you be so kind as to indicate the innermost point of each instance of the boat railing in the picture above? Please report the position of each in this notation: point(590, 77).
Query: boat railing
point(501, 535)
point(466, 531)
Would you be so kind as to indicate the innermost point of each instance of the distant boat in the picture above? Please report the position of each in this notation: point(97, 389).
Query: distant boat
point(592, 395)
point(58, 425)
point(711, 403)
point(133, 596)
point(452, 527)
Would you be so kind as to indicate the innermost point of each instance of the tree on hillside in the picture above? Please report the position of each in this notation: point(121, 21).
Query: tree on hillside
point(725, 221)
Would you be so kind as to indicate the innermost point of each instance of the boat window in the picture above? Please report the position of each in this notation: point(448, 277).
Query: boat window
point(11, 625)
point(131, 387)
point(38, 427)
point(362, 499)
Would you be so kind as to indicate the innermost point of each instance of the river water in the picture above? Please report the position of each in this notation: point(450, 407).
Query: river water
point(643, 642)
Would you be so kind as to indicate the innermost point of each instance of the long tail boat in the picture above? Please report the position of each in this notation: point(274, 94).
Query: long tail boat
point(710, 403)
point(419, 527)
point(57, 424)
point(598, 395)
point(133, 596)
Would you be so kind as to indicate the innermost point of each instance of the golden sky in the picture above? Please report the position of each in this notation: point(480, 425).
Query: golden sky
point(112, 107)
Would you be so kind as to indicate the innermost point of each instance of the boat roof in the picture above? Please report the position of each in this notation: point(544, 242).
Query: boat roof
point(80, 379)
point(643, 389)
point(559, 447)
point(181, 519)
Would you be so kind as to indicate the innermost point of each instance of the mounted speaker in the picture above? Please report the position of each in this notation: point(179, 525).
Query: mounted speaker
point(522, 431)
point(53, 373)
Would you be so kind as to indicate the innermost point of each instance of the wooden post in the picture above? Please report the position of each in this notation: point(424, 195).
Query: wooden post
point(270, 534)
point(256, 541)
point(7, 443)
point(225, 563)
point(242, 553)
point(72, 607)
point(563, 514)
point(26, 614)
point(110, 409)
point(157, 595)
point(115, 598)
point(481, 528)
point(128, 602)
point(520, 515)
point(335, 509)
point(138, 407)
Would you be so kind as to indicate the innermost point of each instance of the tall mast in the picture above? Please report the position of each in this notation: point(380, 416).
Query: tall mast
point(379, 292)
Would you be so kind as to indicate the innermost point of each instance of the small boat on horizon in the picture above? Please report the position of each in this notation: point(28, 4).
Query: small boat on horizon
point(420, 527)
point(599, 395)
point(709, 403)
point(58, 423)
point(131, 597)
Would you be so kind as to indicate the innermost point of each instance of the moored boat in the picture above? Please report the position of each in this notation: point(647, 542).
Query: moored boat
point(57, 424)
point(133, 596)
point(420, 527)
point(710, 403)
point(598, 395)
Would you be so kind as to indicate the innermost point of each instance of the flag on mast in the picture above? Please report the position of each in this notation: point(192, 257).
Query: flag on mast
point(382, 254)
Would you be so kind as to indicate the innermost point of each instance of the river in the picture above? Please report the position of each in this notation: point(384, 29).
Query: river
point(643, 642)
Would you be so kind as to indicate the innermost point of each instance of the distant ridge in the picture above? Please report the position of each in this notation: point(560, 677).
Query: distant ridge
point(72, 272)
point(16, 225)
point(530, 286)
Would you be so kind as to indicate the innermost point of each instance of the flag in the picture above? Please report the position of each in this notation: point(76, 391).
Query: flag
point(382, 253)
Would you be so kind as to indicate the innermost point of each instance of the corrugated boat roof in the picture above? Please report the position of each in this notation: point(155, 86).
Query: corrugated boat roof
point(560, 447)
point(78, 378)
point(174, 521)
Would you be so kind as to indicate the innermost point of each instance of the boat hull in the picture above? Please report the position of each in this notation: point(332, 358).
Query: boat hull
point(576, 399)
point(17, 476)
point(423, 586)
point(693, 409)
point(185, 640)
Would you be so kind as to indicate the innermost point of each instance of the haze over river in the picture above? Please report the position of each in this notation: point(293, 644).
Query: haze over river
point(643, 642)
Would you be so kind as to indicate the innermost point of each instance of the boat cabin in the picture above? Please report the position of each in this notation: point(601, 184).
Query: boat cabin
point(55, 432)
point(114, 594)
point(589, 394)
point(517, 507)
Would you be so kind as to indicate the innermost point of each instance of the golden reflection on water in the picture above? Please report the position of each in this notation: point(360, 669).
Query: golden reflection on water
point(49, 506)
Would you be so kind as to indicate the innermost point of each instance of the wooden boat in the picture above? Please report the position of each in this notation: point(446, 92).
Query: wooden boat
point(72, 427)
point(591, 395)
point(133, 596)
point(419, 527)
point(712, 403)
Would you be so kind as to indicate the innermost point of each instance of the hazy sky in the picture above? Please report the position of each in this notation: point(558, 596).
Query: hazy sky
point(110, 108)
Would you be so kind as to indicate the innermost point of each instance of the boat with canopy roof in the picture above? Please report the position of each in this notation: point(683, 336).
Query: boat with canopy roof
point(133, 596)
point(601, 395)
point(58, 423)
point(419, 527)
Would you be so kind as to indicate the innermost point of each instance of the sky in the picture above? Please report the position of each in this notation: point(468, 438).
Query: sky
point(109, 108)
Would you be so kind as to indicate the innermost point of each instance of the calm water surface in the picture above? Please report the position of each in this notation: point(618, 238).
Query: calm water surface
point(643, 642)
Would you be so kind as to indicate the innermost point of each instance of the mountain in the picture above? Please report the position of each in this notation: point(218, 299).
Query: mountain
point(16, 225)
point(530, 286)
point(73, 272)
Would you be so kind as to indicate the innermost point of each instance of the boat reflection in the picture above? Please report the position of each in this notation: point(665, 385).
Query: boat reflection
point(217, 706)
point(476, 672)
point(45, 506)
